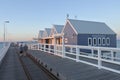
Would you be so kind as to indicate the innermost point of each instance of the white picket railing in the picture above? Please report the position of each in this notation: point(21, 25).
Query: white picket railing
point(3, 51)
point(101, 57)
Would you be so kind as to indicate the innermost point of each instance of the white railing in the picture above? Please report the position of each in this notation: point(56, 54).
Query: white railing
point(101, 57)
point(3, 51)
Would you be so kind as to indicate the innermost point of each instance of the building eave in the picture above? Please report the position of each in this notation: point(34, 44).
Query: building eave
point(67, 21)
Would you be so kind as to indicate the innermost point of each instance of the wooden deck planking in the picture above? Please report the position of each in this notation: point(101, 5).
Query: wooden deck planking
point(72, 70)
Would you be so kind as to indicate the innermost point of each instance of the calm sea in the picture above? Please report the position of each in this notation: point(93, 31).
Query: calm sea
point(1, 45)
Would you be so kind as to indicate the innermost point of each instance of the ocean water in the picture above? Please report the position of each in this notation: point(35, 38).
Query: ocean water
point(1, 45)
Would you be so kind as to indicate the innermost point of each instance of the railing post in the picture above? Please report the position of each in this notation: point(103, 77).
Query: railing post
point(38, 46)
point(54, 45)
point(49, 48)
point(99, 59)
point(63, 46)
point(77, 54)
point(112, 55)
point(92, 52)
point(44, 47)
point(54, 48)
point(71, 50)
point(34, 47)
point(31, 46)
point(63, 51)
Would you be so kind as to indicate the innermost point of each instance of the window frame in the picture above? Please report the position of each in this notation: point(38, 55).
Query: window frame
point(88, 41)
point(94, 41)
point(100, 41)
point(66, 40)
point(104, 40)
point(107, 41)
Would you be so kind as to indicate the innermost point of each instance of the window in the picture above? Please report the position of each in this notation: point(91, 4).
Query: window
point(66, 40)
point(89, 41)
point(99, 41)
point(108, 41)
point(103, 41)
point(94, 41)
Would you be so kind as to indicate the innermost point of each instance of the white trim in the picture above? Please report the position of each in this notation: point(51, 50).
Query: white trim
point(88, 41)
point(67, 21)
point(109, 41)
point(72, 27)
point(64, 27)
point(100, 41)
point(51, 31)
point(93, 41)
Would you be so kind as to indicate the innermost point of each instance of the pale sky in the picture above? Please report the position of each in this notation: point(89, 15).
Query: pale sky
point(27, 17)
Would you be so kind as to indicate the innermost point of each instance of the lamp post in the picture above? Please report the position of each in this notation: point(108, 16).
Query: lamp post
point(5, 30)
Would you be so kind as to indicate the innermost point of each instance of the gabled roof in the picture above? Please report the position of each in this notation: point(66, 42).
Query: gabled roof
point(48, 30)
point(58, 28)
point(40, 34)
point(90, 27)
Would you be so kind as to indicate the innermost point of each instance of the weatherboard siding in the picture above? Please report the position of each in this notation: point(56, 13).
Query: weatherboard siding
point(71, 38)
point(69, 34)
point(83, 39)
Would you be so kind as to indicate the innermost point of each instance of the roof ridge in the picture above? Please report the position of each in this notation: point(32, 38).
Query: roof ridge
point(58, 24)
point(85, 20)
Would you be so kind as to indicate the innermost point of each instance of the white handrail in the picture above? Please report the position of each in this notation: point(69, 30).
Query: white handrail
point(76, 52)
point(3, 52)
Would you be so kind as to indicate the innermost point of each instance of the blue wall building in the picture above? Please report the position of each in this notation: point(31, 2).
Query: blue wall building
point(88, 33)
